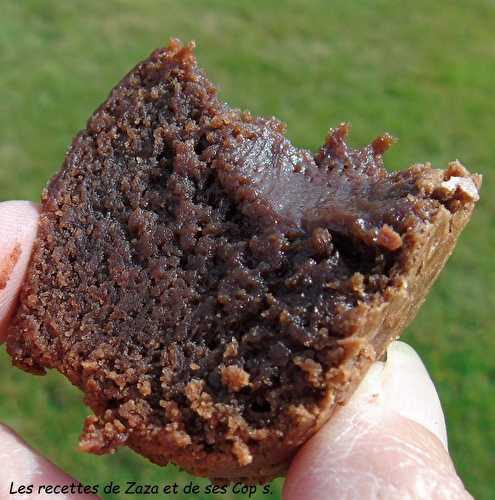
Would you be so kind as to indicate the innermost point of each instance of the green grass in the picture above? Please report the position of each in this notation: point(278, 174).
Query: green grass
point(423, 71)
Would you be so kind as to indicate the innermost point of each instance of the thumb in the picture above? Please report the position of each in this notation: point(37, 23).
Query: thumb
point(18, 225)
point(22, 466)
point(389, 441)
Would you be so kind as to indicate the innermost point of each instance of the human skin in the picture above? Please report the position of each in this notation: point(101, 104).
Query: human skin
point(388, 441)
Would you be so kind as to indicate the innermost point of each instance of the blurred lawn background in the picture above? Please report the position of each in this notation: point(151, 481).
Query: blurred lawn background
point(424, 71)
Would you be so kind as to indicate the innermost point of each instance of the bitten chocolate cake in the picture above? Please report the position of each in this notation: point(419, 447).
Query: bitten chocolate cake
point(215, 291)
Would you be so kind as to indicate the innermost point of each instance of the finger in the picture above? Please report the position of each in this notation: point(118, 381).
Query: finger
point(18, 225)
point(23, 466)
point(407, 389)
point(389, 441)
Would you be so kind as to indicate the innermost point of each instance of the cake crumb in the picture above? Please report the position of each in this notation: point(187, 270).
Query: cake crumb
point(301, 421)
point(234, 378)
point(241, 450)
point(388, 238)
point(463, 187)
point(144, 387)
point(200, 400)
point(231, 349)
point(311, 368)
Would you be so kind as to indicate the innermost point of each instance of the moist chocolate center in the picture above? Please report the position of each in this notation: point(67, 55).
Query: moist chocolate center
point(281, 187)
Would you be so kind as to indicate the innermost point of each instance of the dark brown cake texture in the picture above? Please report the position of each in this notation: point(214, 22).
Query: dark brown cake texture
point(215, 291)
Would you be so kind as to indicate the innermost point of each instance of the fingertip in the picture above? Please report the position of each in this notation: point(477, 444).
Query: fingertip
point(402, 385)
point(18, 228)
point(390, 436)
point(409, 390)
point(21, 465)
point(18, 211)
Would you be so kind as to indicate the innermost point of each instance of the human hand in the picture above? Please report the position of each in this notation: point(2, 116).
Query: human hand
point(388, 441)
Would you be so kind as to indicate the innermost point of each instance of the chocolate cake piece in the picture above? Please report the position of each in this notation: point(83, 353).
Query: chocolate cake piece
point(215, 291)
